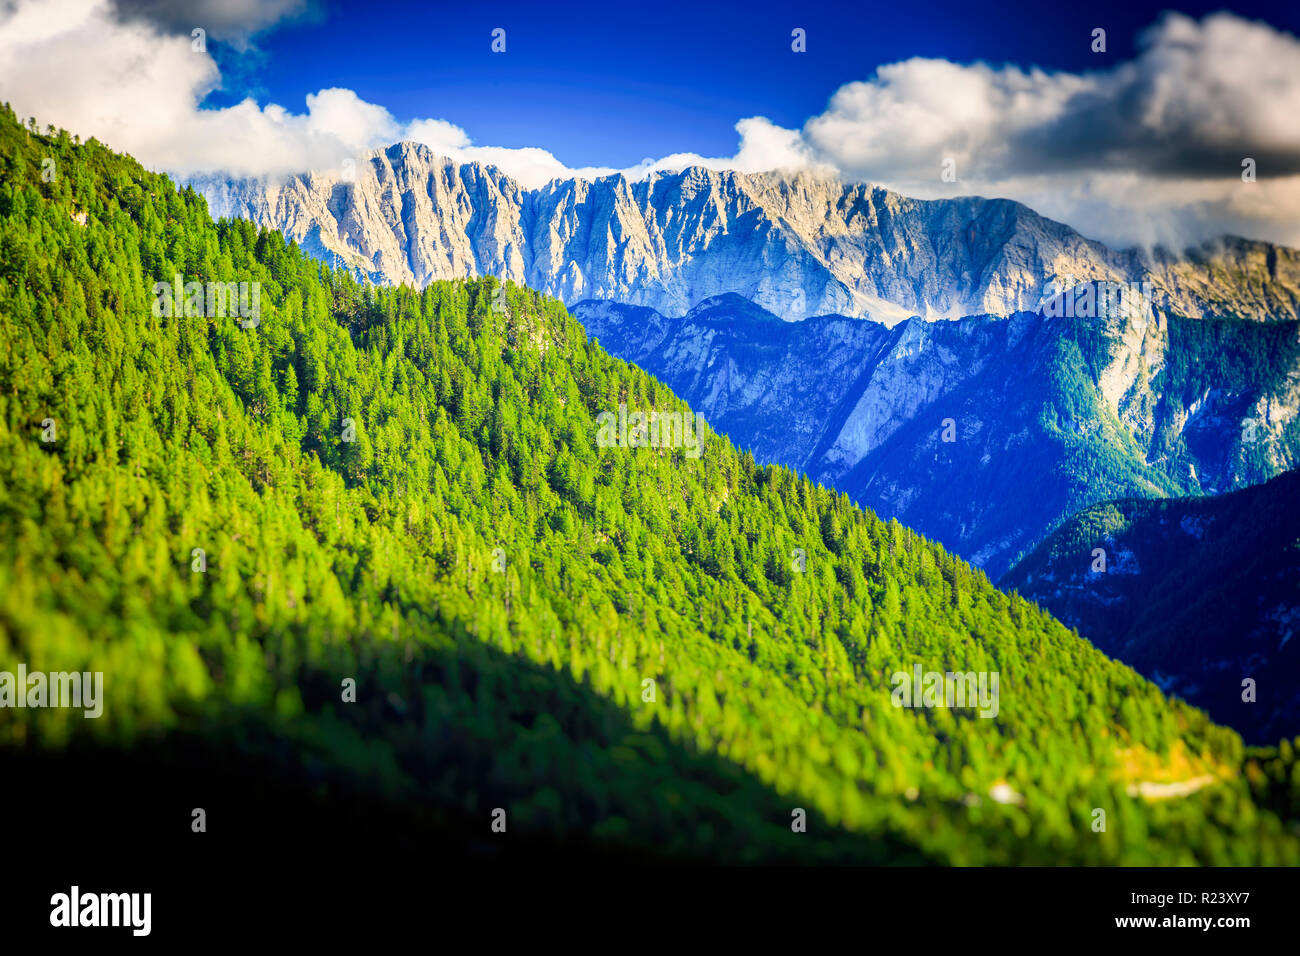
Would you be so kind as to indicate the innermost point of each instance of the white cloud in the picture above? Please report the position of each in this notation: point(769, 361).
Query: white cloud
point(763, 146)
point(1146, 151)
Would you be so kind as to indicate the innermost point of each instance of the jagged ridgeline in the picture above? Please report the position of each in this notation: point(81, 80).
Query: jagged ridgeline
point(512, 678)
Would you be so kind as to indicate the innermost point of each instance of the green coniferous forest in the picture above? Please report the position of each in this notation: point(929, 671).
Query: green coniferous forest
point(479, 688)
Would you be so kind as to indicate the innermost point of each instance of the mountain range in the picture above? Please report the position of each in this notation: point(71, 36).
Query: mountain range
point(797, 244)
point(367, 560)
point(371, 553)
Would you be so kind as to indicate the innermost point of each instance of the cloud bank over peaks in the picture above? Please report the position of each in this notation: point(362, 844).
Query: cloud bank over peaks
point(1148, 151)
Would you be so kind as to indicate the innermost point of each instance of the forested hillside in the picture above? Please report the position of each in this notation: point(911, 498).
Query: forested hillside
point(1200, 594)
point(501, 588)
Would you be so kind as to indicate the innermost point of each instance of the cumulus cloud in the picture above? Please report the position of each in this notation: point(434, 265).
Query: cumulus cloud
point(1147, 151)
point(763, 146)
point(75, 64)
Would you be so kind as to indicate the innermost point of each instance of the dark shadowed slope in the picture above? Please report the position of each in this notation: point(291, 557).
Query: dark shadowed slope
point(1199, 594)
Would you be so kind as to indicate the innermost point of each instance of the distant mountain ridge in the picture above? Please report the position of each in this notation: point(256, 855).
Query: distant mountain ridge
point(1198, 594)
point(797, 244)
point(982, 433)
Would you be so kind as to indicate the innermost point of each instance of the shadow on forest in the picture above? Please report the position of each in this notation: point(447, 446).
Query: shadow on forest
point(581, 784)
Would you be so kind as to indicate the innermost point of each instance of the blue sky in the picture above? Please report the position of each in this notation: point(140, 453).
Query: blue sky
point(609, 84)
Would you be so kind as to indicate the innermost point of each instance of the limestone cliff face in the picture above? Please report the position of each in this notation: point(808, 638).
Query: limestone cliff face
point(798, 245)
